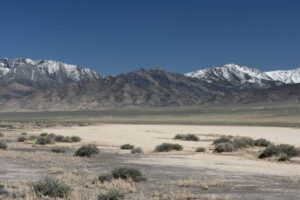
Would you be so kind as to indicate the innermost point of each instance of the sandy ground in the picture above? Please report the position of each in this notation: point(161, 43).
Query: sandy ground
point(148, 136)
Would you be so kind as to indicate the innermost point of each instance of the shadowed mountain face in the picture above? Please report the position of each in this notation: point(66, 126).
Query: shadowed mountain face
point(80, 88)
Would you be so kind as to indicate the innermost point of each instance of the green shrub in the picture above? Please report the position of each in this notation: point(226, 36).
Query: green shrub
point(32, 137)
point(112, 194)
point(58, 150)
point(1, 134)
point(283, 158)
point(286, 149)
point(188, 137)
point(222, 139)
point(166, 147)
point(43, 140)
point(51, 135)
point(43, 134)
point(21, 139)
point(2, 190)
point(200, 149)
point(87, 150)
point(224, 147)
point(59, 138)
point(75, 138)
point(3, 145)
point(105, 177)
point(67, 139)
point(137, 150)
point(52, 187)
point(126, 173)
point(262, 142)
point(243, 142)
point(127, 146)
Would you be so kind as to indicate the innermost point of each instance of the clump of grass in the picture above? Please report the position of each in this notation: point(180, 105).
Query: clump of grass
point(43, 140)
point(286, 149)
point(105, 177)
point(52, 187)
point(126, 173)
point(137, 150)
point(87, 150)
point(200, 149)
point(166, 147)
point(2, 190)
point(262, 142)
point(21, 139)
point(58, 150)
point(127, 146)
point(1, 134)
point(112, 194)
point(75, 138)
point(283, 158)
point(224, 147)
point(187, 137)
point(3, 145)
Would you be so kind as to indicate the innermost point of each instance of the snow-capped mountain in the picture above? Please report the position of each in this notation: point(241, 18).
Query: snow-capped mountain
point(233, 74)
point(286, 76)
point(42, 73)
point(243, 76)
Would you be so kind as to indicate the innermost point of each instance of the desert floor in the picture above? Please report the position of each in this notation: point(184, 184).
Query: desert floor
point(237, 175)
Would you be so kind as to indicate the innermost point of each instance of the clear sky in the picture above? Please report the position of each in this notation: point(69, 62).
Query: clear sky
point(116, 36)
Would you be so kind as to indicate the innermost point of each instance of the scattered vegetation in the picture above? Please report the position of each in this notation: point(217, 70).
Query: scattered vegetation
point(32, 138)
point(127, 146)
point(21, 139)
point(105, 177)
point(243, 142)
point(137, 150)
point(52, 187)
point(3, 145)
point(187, 137)
point(75, 138)
point(222, 139)
point(200, 149)
point(126, 173)
point(224, 147)
point(286, 149)
point(166, 147)
point(112, 194)
point(58, 150)
point(43, 140)
point(87, 150)
point(283, 158)
point(262, 142)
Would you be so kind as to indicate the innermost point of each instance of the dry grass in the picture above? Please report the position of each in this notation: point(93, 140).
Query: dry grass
point(202, 185)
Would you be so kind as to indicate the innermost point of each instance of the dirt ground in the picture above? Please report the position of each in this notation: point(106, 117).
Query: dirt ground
point(238, 175)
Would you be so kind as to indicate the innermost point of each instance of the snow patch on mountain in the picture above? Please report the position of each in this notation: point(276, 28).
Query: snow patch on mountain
point(286, 76)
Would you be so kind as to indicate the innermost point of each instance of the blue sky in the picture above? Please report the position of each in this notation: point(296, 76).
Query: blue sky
point(116, 36)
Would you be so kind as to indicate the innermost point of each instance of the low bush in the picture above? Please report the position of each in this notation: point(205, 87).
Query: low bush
point(127, 146)
point(222, 139)
point(58, 150)
point(32, 137)
point(187, 137)
point(224, 147)
point(52, 187)
point(262, 142)
point(75, 138)
point(166, 147)
point(283, 158)
point(126, 173)
point(105, 177)
point(43, 134)
point(1, 134)
point(43, 140)
point(21, 139)
point(24, 134)
point(87, 150)
point(243, 142)
point(3, 145)
point(67, 139)
point(200, 149)
point(59, 138)
point(286, 149)
point(112, 194)
point(137, 150)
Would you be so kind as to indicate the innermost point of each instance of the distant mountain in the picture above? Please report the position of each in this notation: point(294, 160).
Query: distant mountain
point(245, 77)
point(41, 73)
point(49, 85)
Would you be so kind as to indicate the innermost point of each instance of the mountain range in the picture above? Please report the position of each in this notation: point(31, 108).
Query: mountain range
point(26, 84)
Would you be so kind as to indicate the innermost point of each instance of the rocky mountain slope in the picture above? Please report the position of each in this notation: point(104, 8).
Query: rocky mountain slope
point(41, 73)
